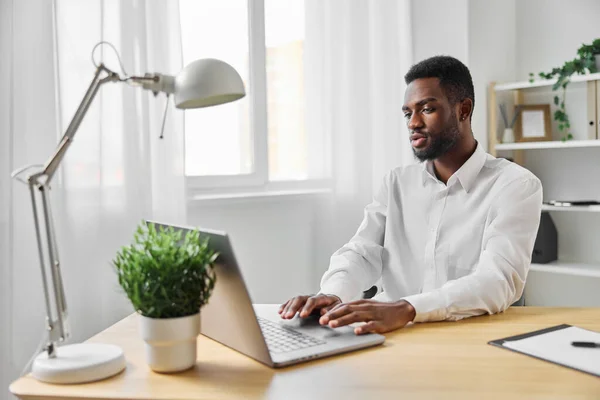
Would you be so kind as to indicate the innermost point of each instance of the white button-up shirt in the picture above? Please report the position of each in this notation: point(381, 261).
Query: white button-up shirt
point(452, 250)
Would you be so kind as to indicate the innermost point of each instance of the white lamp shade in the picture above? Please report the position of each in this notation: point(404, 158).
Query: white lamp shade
point(207, 82)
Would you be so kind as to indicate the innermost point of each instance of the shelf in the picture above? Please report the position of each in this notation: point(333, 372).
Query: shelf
point(594, 208)
point(556, 144)
point(568, 268)
point(541, 83)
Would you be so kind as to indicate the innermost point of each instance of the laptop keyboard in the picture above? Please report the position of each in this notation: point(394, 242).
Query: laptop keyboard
point(281, 340)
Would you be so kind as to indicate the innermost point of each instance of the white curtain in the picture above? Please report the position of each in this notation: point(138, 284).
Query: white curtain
point(116, 173)
point(361, 51)
point(6, 27)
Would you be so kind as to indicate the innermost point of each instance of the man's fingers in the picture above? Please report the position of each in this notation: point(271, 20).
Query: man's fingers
point(355, 316)
point(334, 307)
point(312, 303)
point(336, 312)
point(370, 327)
point(344, 308)
point(283, 306)
point(360, 305)
point(305, 305)
point(308, 306)
point(295, 304)
point(288, 308)
point(330, 307)
point(335, 301)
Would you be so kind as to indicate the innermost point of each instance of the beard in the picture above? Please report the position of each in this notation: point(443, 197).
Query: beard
point(439, 144)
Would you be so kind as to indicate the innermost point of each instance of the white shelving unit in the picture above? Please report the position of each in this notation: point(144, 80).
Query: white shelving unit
point(559, 283)
point(556, 144)
point(563, 284)
point(543, 82)
point(587, 139)
point(568, 268)
point(594, 208)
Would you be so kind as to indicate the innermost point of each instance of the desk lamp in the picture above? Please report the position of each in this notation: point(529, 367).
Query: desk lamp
point(203, 83)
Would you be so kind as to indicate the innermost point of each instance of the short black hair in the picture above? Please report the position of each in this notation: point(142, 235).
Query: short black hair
point(454, 77)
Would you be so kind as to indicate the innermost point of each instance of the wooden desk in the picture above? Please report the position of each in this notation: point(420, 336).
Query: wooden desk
point(433, 360)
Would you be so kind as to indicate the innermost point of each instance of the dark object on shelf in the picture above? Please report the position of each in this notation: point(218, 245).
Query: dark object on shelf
point(570, 203)
point(545, 249)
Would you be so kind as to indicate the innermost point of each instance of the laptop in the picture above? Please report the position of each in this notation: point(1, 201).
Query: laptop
point(258, 331)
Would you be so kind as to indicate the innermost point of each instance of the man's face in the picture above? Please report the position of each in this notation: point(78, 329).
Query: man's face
point(431, 119)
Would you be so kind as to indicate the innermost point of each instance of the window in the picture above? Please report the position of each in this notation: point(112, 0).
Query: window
point(262, 138)
point(217, 139)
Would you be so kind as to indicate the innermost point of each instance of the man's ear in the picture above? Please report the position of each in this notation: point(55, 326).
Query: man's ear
point(466, 108)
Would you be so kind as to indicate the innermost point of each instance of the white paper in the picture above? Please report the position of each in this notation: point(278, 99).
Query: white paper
point(532, 124)
point(556, 346)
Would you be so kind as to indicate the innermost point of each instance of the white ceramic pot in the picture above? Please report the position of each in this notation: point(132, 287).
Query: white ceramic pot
point(508, 136)
point(170, 342)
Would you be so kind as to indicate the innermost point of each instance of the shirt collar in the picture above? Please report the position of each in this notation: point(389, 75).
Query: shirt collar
point(466, 174)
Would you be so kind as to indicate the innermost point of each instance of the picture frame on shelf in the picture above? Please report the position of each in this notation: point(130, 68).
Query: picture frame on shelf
point(533, 123)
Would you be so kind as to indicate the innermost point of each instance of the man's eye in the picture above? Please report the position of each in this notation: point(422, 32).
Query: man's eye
point(406, 116)
point(428, 110)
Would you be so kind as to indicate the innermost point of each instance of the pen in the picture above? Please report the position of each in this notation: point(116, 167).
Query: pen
point(586, 344)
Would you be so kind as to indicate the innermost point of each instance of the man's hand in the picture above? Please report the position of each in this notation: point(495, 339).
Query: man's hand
point(380, 317)
point(307, 304)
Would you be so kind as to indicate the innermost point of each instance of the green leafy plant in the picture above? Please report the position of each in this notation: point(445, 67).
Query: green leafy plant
point(584, 63)
point(164, 274)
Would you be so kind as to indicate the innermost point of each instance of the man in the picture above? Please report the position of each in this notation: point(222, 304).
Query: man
point(450, 238)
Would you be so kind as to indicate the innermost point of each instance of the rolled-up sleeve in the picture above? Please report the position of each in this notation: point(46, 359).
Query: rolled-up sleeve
point(357, 265)
point(499, 278)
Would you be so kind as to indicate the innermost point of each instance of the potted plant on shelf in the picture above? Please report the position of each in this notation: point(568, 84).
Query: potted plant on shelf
point(587, 61)
point(167, 278)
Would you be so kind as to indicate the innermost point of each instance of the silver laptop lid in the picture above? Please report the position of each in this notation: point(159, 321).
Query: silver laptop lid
point(229, 317)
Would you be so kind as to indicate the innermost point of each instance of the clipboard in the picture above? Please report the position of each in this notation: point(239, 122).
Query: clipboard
point(553, 345)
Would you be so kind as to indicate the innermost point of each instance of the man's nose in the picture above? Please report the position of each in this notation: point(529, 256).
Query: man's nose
point(415, 121)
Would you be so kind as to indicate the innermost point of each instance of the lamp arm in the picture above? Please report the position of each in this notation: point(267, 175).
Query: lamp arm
point(154, 82)
point(58, 329)
point(53, 163)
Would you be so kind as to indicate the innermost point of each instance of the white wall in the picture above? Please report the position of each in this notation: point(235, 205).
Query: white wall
point(491, 54)
point(550, 31)
point(440, 28)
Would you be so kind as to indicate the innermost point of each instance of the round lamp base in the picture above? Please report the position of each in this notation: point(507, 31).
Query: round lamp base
point(79, 363)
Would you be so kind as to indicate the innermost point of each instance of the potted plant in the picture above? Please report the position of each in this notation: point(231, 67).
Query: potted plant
point(587, 61)
point(167, 278)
